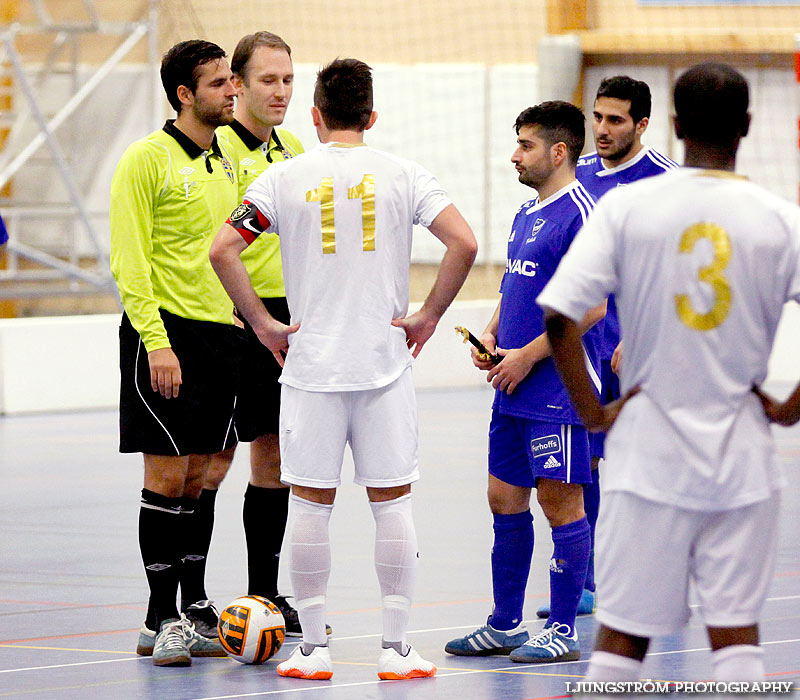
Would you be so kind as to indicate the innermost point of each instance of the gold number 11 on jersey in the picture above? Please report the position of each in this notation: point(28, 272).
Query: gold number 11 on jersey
point(365, 191)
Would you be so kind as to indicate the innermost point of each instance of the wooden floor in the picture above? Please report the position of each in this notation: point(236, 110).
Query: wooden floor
point(73, 593)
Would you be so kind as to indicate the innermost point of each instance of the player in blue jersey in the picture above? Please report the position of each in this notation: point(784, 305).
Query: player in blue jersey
point(620, 116)
point(535, 437)
point(694, 493)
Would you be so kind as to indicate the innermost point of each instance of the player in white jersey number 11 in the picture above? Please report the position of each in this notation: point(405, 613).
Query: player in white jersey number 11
point(344, 213)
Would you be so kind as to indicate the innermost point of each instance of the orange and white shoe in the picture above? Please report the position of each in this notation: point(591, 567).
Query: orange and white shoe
point(393, 666)
point(315, 666)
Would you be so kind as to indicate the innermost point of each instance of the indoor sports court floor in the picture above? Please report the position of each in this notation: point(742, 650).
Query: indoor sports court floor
point(73, 593)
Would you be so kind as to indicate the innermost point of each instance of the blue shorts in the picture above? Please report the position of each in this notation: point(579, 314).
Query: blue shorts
point(609, 391)
point(523, 450)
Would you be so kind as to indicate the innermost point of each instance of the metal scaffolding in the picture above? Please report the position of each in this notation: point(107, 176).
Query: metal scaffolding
point(68, 273)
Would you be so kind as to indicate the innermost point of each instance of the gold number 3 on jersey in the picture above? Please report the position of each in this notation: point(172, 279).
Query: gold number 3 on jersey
point(711, 274)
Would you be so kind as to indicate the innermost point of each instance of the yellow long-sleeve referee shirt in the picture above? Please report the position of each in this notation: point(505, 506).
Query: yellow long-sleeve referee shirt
point(253, 156)
point(169, 198)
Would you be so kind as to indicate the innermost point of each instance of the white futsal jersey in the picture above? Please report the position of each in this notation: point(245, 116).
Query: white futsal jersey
point(701, 263)
point(345, 215)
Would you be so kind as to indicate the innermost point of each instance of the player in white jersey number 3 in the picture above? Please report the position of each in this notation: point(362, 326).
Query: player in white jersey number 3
point(344, 213)
point(701, 262)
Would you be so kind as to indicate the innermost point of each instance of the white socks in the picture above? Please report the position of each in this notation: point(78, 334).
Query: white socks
point(396, 564)
point(607, 667)
point(740, 662)
point(310, 565)
point(604, 666)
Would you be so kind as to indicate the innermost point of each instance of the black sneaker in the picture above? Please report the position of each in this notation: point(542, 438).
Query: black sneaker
point(290, 617)
point(204, 616)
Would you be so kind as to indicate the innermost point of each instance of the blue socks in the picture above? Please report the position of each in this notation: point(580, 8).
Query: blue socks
point(571, 548)
point(511, 564)
point(591, 504)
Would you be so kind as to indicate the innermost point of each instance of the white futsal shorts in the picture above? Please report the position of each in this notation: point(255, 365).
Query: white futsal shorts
point(379, 424)
point(648, 552)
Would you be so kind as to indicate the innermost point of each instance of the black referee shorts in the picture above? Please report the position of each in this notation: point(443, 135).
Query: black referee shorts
point(200, 419)
point(259, 403)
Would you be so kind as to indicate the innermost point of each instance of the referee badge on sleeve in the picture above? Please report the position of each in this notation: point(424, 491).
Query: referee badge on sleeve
point(228, 168)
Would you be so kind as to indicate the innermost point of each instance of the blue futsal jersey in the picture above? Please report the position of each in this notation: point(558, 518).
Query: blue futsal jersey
point(540, 236)
point(597, 179)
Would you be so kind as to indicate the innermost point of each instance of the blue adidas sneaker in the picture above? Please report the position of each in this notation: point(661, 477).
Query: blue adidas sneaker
point(487, 641)
point(586, 606)
point(551, 645)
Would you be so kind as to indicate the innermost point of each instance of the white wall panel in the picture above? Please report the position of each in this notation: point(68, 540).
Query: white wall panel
point(455, 119)
point(71, 362)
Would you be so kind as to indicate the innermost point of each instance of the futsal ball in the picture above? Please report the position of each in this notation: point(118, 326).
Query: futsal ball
point(251, 629)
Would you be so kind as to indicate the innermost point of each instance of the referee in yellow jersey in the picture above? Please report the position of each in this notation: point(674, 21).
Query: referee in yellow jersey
point(171, 192)
point(264, 76)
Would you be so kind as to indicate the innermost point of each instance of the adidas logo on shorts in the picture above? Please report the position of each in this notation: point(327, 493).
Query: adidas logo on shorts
point(551, 463)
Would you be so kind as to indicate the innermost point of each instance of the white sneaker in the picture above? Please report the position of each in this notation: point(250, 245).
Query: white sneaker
point(552, 645)
point(316, 666)
point(393, 666)
point(170, 644)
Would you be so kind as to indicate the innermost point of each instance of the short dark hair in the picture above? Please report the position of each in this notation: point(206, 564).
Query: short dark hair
point(637, 92)
point(343, 94)
point(711, 102)
point(180, 64)
point(557, 121)
point(248, 44)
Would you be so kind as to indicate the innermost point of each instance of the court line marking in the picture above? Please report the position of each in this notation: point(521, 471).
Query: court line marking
point(77, 663)
point(688, 651)
point(340, 612)
point(63, 604)
point(363, 636)
point(85, 651)
point(80, 635)
point(783, 597)
point(15, 642)
point(516, 669)
point(135, 606)
point(350, 638)
point(510, 669)
point(451, 673)
point(338, 639)
point(461, 672)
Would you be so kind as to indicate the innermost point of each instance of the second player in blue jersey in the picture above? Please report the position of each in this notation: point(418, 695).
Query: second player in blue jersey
point(620, 116)
point(536, 439)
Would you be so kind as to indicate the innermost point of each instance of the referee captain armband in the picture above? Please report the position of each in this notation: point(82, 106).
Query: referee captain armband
point(483, 351)
point(248, 221)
